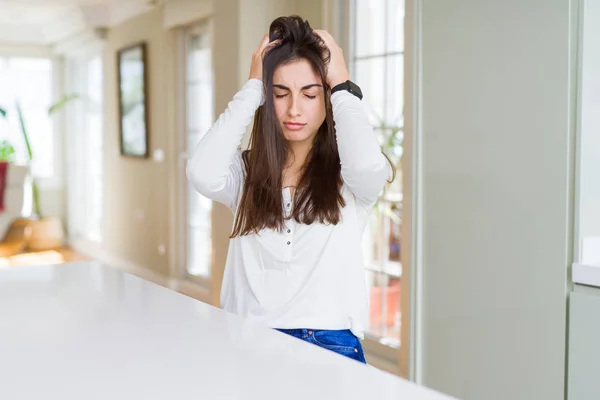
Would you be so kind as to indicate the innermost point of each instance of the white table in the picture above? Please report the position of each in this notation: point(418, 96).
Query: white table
point(86, 331)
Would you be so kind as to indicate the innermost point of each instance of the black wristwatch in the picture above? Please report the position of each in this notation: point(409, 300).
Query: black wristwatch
point(349, 86)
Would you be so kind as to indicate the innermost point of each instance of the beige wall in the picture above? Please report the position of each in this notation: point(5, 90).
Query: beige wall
point(136, 196)
point(140, 195)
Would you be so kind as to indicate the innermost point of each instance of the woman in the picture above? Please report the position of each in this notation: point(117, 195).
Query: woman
point(301, 194)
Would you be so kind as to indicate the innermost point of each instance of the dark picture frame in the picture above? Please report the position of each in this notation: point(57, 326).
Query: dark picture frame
point(132, 81)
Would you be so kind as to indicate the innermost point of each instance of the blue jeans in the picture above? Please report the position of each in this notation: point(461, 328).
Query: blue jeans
point(339, 341)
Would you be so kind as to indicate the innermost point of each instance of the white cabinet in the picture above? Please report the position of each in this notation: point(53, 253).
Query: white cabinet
point(584, 344)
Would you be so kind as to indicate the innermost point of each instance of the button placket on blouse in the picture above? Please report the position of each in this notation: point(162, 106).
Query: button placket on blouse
point(287, 202)
point(288, 238)
point(288, 233)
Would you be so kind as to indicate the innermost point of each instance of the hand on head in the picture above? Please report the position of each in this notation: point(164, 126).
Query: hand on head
point(337, 71)
point(258, 55)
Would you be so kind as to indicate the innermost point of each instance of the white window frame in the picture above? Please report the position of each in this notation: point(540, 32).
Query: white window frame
point(339, 21)
point(200, 285)
point(55, 181)
point(76, 61)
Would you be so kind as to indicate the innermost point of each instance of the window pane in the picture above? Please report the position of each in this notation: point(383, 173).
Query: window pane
point(369, 76)
point(393, 238)
point(199, 252)
point(394, 106)
point(200, 107)
point(42, 143)
point(369, 36)
point(206, 110)
point(395, 25)
point(31, 64)
point(374, 239)
point(382, 241)
point(29, 81)
point(85, 147)
point(199, 210)
point(199, 243)
point(384, 308)
point(199, 59)
point(94, 148)
point(193, 107)
point(199, 116)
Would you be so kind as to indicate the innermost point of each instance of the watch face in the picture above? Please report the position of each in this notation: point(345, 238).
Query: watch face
point(354, 87)
point(350, 87)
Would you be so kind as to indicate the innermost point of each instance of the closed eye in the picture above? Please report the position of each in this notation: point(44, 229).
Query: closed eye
point(280, 96)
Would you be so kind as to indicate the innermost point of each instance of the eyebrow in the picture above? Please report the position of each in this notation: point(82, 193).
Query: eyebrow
point(302, 88)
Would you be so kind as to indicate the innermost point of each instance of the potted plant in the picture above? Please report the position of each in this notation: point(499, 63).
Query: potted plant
point(7, 155)
point(46, 232)
point(7, 152)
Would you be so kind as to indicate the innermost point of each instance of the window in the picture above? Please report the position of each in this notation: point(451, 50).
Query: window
point(93, 149)
point(376, 64)
point(85, 145)
point(587, 234)
point(198, 119)
point(28, 81)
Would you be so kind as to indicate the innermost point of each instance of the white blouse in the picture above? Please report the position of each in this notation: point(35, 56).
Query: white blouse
point(308, 276)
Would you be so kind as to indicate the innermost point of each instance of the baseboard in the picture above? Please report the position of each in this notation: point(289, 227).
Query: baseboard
point(95, 251)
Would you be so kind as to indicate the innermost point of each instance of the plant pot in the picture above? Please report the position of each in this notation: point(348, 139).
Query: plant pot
point(3, 171)
point(46, 234)
point(392, 303)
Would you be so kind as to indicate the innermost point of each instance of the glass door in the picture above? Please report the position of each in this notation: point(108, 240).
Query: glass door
point(199, 114)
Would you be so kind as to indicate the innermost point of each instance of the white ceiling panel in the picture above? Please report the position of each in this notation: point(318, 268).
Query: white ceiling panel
point(49, 21)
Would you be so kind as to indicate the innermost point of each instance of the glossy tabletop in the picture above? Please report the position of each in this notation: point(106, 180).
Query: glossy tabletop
point(87, 331)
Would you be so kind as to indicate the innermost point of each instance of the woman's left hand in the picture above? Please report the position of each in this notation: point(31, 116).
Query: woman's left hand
point(337, 72)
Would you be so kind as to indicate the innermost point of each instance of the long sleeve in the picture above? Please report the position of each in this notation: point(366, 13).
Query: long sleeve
point(215, 168)
point(364, 168)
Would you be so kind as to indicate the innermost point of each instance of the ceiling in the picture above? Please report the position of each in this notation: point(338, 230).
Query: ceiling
point(50, 21)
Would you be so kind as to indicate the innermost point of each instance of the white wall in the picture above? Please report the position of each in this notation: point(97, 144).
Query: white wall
point(498, 129)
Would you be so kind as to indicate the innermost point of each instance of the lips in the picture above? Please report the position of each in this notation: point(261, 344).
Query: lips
point(294, 126)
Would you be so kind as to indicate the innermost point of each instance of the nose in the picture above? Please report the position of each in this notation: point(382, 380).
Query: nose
point(294, 110)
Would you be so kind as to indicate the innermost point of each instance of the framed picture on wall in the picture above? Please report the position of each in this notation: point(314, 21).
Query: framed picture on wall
point(133, 100)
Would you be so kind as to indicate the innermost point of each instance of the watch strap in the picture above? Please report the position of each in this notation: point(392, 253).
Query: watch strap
point(348, 86)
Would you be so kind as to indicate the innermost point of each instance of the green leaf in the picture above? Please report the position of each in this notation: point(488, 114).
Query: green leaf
point(7, 151)
point(37, 211)
point(24, 131)
point(2, 112)
point(63, 101)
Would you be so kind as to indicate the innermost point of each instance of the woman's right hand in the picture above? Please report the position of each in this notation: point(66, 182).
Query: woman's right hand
point(257, 57)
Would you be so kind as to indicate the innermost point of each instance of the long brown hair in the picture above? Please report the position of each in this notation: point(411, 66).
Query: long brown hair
point(318, 193)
